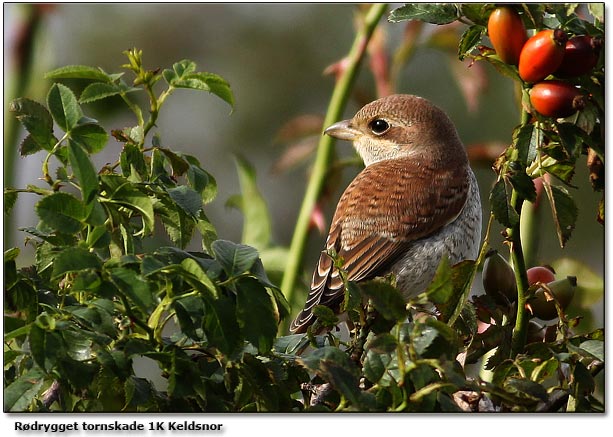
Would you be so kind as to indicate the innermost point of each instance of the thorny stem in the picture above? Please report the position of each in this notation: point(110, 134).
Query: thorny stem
point(325, 149)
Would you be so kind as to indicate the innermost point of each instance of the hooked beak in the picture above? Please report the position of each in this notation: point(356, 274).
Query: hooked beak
point(343, 130)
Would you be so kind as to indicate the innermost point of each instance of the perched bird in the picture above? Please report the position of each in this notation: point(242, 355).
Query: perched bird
point(416, 199)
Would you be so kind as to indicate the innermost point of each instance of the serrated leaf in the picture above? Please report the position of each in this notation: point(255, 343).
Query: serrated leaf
point(234, 258)
point(256, 222)
point(441, 13)
point(335, 367)
point(383, 343)
point(91, 136)
point(524, 185)
point(178, 163)
point(527, 387)
point(221, 326)
point(79, 72)
point(133, 165)
point(37, 120)
point(183, 75)
point(75, 259)
point(177, 223)
point(187, 199)
point(138, 391)
point(99, 90)
point(134, 287)
point(564, 211)
point(121, 191)
point(469, 40)
point(62, 212)
point(64, 107)
point(563, 170)
point(10, 198)
point(83, 170)
point(201, 180)
point(526, 139)
point(21, 393)
point(255, 314)
point(501, 208)
point(386, 299)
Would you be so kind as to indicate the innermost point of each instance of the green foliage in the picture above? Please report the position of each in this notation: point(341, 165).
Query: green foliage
point(101, 295)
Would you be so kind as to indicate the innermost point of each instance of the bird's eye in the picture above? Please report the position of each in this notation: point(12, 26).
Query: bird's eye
point(379, 126)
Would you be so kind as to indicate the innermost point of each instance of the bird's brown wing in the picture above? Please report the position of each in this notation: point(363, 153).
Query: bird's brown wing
point(387, 206)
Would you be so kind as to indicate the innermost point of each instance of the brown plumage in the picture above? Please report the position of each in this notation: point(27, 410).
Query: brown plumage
point(408, 199)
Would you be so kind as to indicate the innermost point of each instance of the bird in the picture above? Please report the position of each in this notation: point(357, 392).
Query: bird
point(416, 200)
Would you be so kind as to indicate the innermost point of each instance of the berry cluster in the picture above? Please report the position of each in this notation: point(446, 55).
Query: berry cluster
point(549, 52)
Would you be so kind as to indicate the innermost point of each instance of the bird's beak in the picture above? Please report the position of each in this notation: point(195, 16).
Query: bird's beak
point(343, 131)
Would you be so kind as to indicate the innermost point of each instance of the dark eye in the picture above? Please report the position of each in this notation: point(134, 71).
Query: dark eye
point(379, 126)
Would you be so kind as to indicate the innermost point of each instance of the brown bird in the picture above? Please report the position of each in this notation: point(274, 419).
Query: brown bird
point(416, 200)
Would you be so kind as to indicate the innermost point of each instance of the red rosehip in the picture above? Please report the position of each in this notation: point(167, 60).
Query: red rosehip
point(542, 55)
point(580, 56)
point(507, 34)
point(554, 98)
point(540, 274)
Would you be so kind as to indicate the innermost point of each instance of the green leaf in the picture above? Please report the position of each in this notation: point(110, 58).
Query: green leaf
point(138, 391)
point(134, 287)
point(501, 208)
point(524, 185)
point(440, 289)
point(527, 387)
point(470, 39)
point(478, 13)
point(123, 192)
point(75, 259)
point(64, 107)
point(183, 76)
point(10, 198)
point(83, 170)
point(46, 346)
point(564, 211)
point(386, 299)
point(178, 163)
point(255, 314)
point(98, 90)
point(526, 139)
point(441, 13)
point(62, 212)
point(335, 367)
point(563, 170)
point(221, 326)
point(133, 165)
point(325, 316)
point(571, 137)
point(91, 136)
point(37, 120)
point(234, 258)
point(79, 72)
point(21, 393)
point(256, 223)
point(594, 348)
point(383, 343)
point(201, 180)
point(186, 198)
point(178, 224)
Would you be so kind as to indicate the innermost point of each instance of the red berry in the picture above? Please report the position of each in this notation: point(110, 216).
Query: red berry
point(580, 56)
point(554, 98)
point(507, 34)
point(542, 55)
point(540, 274)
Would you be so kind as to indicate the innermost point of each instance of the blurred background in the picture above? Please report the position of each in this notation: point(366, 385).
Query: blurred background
point(274, 57)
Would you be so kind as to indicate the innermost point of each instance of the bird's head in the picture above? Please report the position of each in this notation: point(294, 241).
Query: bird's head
point(399, 126)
